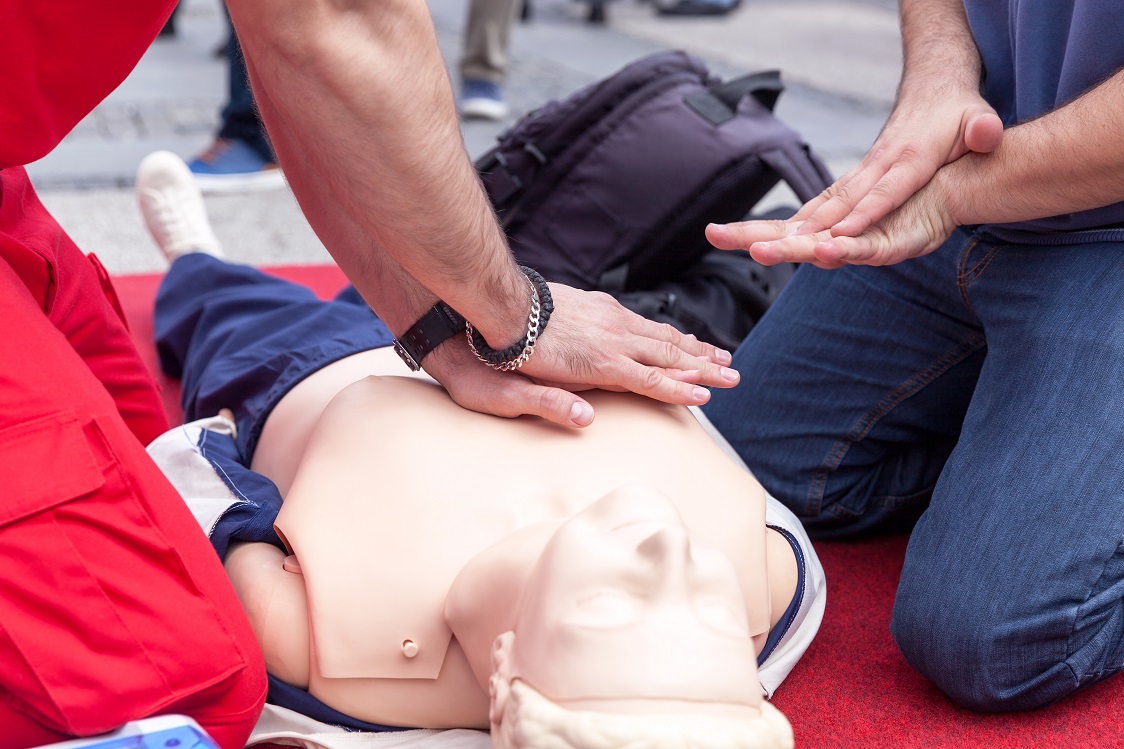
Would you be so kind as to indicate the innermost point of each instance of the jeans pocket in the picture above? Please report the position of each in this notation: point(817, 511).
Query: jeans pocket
point(100, 621)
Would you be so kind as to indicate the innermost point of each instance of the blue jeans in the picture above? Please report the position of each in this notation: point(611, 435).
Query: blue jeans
point(979, 392)
point(240, 119)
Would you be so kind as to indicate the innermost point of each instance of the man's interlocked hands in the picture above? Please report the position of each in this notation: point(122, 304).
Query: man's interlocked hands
point(888, 208)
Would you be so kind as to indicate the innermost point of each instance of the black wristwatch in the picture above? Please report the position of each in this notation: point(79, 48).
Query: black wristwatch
point(434, 328)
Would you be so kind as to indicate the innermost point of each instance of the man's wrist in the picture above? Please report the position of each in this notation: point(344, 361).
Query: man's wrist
point(516, 355)
point(449, 359)
point(502, 318)
point(924, 86)
point(951, 184)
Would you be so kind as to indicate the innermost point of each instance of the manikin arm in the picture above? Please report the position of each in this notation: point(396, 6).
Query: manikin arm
point(360, 111)
point(276, 605)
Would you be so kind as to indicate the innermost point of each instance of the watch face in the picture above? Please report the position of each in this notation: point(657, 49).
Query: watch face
point(402, 352)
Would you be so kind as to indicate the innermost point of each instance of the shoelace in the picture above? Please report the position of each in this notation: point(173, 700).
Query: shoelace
point(215, 150)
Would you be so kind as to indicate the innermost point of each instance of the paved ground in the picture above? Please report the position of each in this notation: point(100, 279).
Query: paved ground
point(840, 59)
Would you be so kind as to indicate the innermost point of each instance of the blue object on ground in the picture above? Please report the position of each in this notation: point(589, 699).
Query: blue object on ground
point(232, 165)
point(696, 7)
point(482, 99)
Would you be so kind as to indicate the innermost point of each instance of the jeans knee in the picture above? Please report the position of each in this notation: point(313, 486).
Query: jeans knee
point(980, 660)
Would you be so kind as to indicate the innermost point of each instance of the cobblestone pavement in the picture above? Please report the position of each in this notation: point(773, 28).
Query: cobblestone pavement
point(840, 59)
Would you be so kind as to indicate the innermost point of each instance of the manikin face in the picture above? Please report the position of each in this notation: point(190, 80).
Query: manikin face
point(626, 612)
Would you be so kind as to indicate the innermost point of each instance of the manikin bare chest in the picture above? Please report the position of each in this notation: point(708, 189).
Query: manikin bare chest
point(396, 491)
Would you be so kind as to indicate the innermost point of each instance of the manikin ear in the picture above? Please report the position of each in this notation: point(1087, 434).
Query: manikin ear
point(499, 684)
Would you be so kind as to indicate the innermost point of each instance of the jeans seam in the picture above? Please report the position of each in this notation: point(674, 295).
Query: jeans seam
point(965, 276)
point(1093, 589)
point(886, 500)
point(885, 405)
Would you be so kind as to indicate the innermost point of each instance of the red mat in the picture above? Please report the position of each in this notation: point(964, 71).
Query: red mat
point(853, 688)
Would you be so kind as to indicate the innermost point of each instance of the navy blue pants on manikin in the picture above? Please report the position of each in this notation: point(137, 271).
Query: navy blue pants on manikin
point(238, 338)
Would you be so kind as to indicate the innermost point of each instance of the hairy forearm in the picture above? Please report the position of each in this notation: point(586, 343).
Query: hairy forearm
point(938, 51)
point(358, 90)
point(1071, 159)
point(397, 297)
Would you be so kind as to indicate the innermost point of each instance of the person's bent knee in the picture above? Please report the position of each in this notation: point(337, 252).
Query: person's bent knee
point(981, 663)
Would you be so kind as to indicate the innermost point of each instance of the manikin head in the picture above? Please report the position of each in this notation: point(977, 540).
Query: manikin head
point(630, 632)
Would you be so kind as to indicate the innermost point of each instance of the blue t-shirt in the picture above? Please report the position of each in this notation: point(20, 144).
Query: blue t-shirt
point(1038, 55)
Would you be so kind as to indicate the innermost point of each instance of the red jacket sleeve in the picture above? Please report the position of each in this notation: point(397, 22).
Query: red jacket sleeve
point(59, 59)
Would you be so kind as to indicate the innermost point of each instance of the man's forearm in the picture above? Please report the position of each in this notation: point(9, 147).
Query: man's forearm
point(938, 49)
point(368, 105)
point(397, 297)
point(1071, 159)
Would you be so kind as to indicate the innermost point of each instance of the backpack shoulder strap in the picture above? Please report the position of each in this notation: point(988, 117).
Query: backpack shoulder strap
point(720, 103)
point(793, 160)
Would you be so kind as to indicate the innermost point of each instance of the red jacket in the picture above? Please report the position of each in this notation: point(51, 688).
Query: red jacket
point(59, 59)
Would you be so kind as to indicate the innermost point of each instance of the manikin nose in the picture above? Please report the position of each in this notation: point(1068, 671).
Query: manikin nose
point(669, 549)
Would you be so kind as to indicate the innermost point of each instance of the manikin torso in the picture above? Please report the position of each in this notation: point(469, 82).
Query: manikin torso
point(391, 490)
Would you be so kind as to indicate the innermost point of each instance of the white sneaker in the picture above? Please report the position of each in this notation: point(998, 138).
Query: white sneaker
point(172, 207)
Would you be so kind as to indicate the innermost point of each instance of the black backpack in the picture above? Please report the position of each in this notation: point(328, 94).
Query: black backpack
point(611, 188)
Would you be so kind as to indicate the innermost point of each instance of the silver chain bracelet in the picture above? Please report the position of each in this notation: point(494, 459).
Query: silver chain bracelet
point(528, 346)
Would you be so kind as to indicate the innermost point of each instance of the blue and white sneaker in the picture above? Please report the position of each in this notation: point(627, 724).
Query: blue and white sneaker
point(696, 7)
point(482, 100)
point(230, 165)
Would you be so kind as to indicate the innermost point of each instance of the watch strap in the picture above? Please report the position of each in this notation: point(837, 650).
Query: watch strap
point(436, 326)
